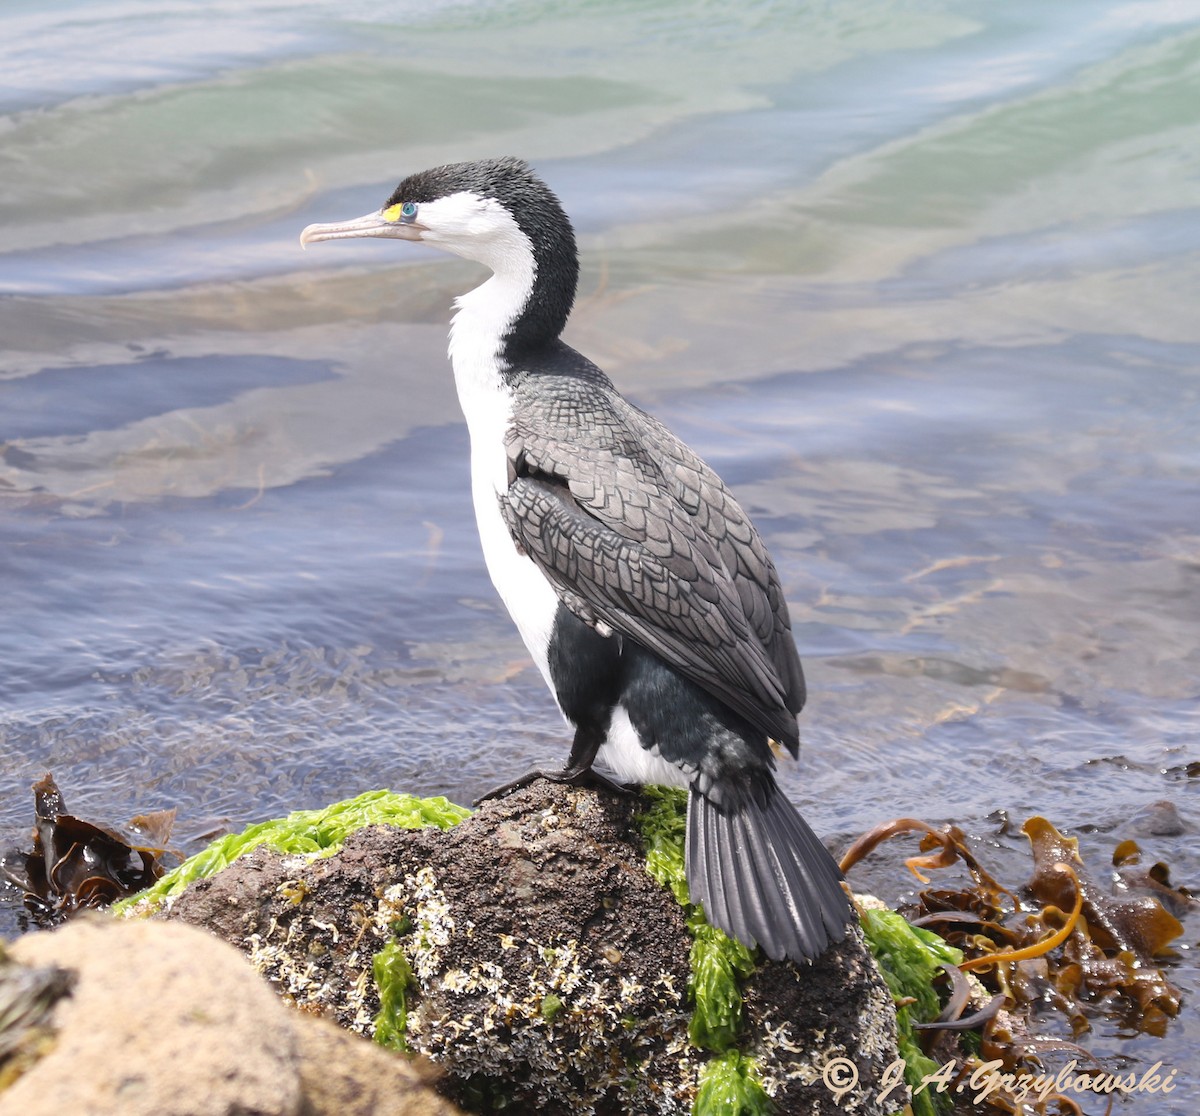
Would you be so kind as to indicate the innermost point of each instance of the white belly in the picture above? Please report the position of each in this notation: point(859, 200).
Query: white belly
point(530, 599)
point(623, 754)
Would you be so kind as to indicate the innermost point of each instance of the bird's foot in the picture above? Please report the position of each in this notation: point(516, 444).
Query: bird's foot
point(575, 777)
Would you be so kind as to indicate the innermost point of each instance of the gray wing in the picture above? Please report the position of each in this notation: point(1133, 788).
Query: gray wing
point(742, 551)
point(636, 533)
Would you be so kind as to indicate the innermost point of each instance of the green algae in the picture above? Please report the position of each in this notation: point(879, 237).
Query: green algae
point(311, 832)
point(909, 958)
point(393, 977)
point(664, 825)
point(729, 1084)
point(719, 963)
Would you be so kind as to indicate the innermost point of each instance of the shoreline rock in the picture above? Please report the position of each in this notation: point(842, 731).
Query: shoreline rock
point(162, 1019)
point(538, 963)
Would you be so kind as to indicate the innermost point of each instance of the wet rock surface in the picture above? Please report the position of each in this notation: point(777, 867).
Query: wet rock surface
point(549, 971)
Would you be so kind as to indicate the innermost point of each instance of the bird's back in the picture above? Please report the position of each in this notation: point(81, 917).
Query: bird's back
point(634, 477)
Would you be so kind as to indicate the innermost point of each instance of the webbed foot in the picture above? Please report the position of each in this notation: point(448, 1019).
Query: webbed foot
point(572, 776)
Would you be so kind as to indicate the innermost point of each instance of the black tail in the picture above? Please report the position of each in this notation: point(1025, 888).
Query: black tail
point(764, 878)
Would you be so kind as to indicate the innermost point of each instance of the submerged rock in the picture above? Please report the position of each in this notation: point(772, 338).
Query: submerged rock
point(529, 953)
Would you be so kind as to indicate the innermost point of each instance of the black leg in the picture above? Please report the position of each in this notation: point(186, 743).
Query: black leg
point(577, 772)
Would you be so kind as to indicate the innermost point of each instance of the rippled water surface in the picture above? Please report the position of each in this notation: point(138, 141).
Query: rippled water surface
point(920, 280)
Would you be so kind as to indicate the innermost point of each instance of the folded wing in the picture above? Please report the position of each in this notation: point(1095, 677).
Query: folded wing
point(637, 534)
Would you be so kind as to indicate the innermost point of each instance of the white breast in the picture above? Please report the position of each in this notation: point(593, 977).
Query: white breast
point(483, 318)
point(480, 324)
point(487, 403)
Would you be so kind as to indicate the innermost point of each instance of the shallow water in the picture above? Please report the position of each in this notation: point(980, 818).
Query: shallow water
point(920, 281)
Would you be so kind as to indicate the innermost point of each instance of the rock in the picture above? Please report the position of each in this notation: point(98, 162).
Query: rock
point(163, 1019)
point(1158, 819)
point(549, 970)
point(837, 1008)
point(343, 1075)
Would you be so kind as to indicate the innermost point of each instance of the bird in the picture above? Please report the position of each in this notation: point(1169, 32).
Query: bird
point(641, 589)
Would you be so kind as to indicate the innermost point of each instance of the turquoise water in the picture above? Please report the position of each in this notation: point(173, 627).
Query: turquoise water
point(919, 279)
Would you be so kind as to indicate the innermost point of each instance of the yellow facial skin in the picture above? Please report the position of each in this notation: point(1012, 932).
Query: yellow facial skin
point(404, 213)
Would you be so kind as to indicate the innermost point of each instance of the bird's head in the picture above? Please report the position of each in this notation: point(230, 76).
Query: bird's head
point(494, 211)
point(484, 211)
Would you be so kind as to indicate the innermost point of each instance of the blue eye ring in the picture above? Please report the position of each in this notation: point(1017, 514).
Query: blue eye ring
point(408, 211)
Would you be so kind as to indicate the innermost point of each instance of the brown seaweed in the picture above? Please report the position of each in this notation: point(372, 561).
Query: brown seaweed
point(77, 864)
point(1138, 925)
point(1063, 940)
point(951, 1017)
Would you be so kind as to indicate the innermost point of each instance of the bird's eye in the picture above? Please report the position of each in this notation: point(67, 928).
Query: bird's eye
point(405, 214)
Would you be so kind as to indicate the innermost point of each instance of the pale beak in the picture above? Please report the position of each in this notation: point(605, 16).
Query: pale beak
point(373, 224)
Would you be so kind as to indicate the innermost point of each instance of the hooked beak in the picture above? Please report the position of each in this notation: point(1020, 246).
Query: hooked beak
point(373, 224)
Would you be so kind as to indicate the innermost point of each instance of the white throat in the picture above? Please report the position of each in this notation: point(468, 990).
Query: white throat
point(483, 230)
point(482, 320)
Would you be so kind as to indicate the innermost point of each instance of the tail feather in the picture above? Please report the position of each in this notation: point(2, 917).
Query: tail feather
point(715, 868)
point(764, 877)
point(765, 870)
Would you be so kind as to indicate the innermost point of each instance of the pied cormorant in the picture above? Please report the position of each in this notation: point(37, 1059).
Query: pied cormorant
point(639, 585)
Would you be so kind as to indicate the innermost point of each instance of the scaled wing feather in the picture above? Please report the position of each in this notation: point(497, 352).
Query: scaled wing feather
point(635, 531)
